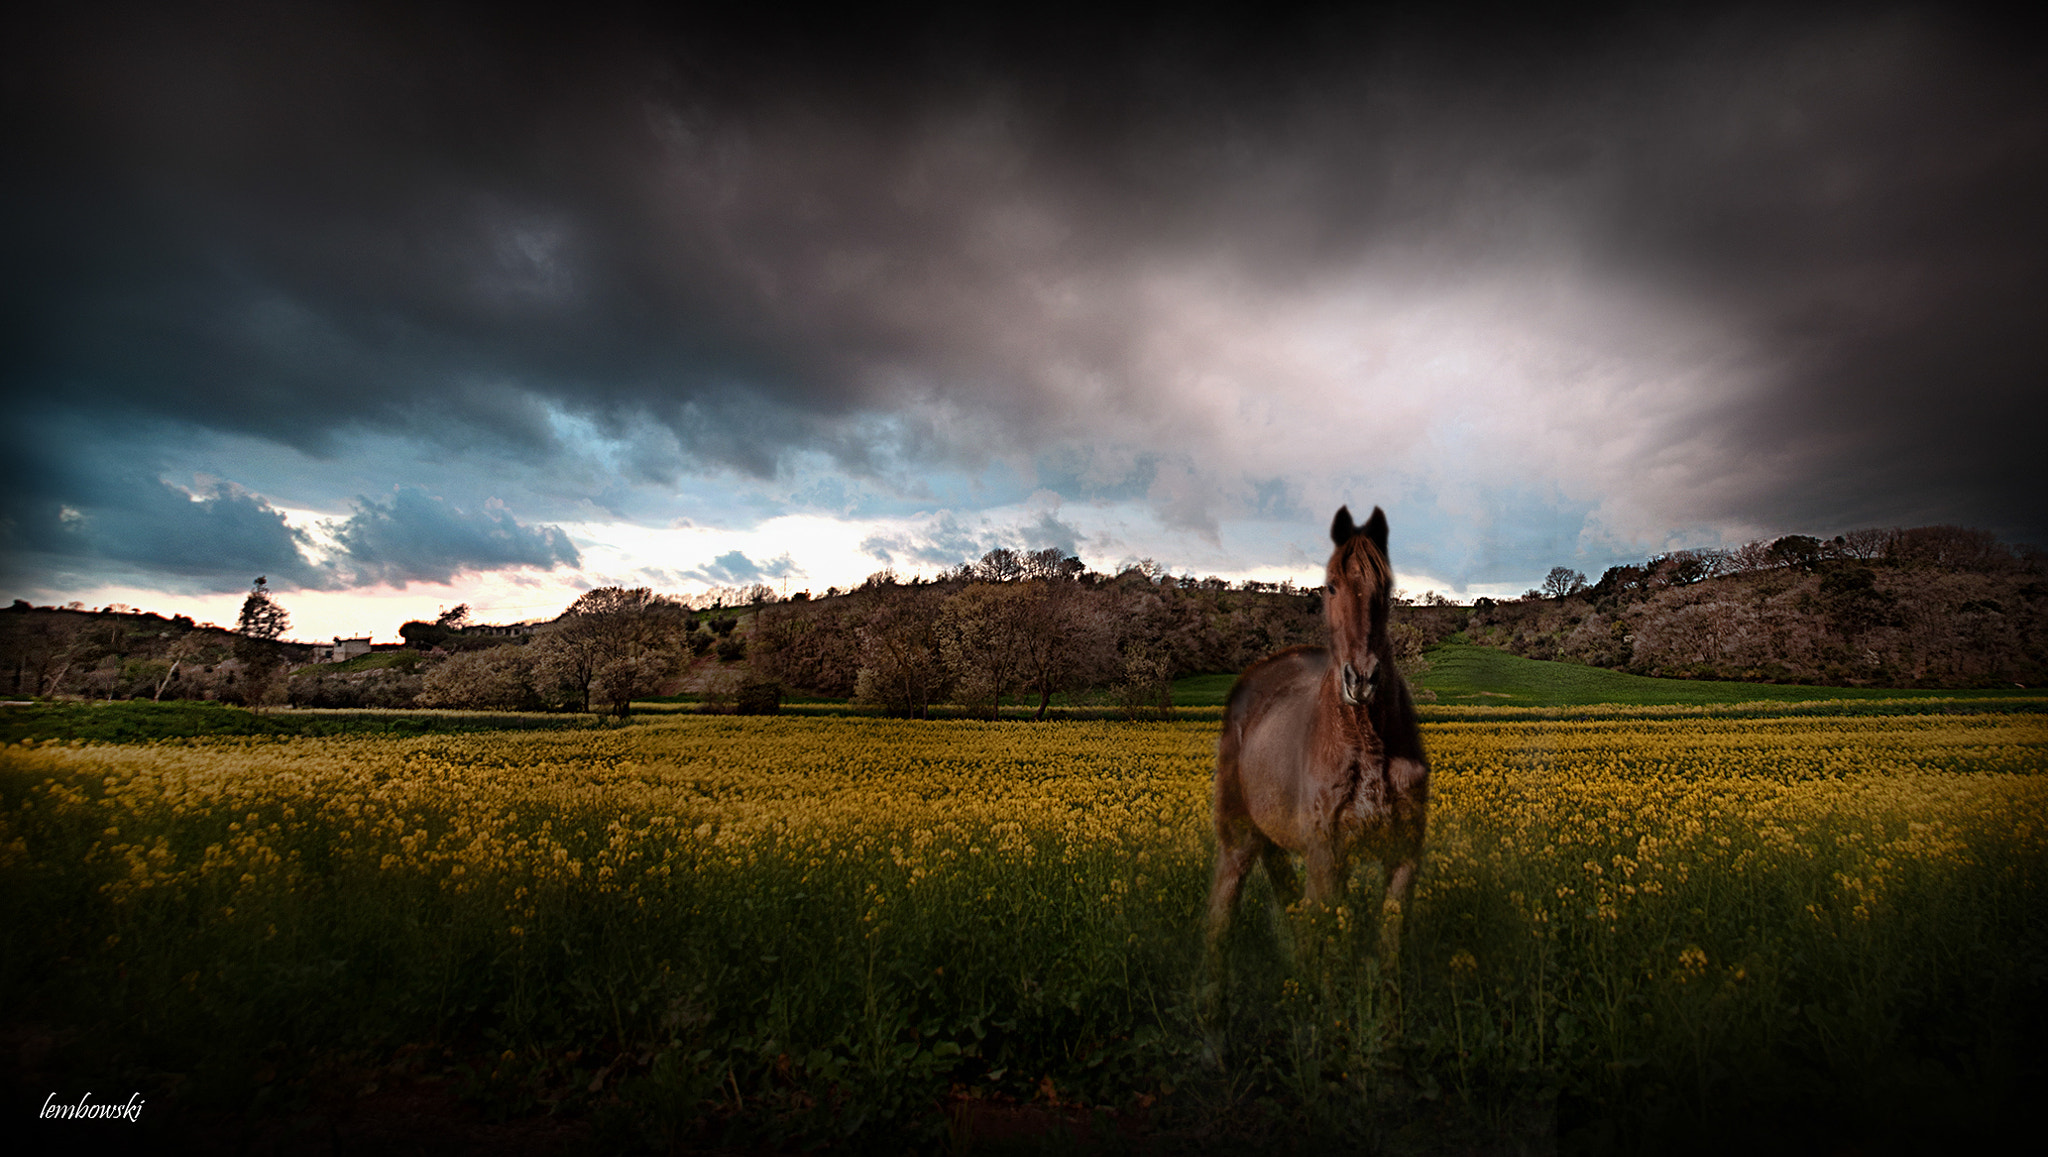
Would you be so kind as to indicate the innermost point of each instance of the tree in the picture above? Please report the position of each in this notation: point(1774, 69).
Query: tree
point(455, 618)
point(1800, 550)
point(1562, 581)
point(499, 679)
point(614, 644)
point(265, 674)
point(262, 616)
point(1000, 565)
point(1066, 641)
point(982, 633)
point(1147, 682)
point(901, 669)
point(1051, 563)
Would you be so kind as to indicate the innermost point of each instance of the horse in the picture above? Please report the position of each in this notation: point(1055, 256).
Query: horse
point(1321, 754)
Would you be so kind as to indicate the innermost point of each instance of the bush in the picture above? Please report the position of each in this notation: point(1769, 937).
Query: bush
point(501, 678)
point(759, 697)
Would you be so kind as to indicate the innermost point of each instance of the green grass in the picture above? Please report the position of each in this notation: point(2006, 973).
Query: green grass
point(1464, 673)
point(139, 721)
point(374, 661)
point(1203, 690)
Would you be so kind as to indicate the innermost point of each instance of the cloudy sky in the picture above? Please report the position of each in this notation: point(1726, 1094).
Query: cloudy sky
point(402, 306)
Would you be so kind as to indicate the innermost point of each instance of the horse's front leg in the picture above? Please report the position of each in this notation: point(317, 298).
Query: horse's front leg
point(1325, 873)
point(1400, 877)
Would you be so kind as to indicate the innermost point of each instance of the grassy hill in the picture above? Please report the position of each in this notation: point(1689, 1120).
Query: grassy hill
point(1463, 673)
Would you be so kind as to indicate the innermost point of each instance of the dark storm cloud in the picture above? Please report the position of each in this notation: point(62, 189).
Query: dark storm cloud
point(216, 539)
point(418, 537)
point(1864, 195)
point(1011, 237)
point(106, 516)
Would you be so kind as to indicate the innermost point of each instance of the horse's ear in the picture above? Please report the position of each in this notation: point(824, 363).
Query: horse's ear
point(1341, 529)
point(1376, 529)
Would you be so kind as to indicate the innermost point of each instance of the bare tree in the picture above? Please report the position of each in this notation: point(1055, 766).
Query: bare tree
point(1000, 565)
point(1066, 639)
point(1562, 581)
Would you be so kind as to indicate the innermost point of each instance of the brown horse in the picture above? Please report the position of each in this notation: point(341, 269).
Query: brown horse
point(1321, 755)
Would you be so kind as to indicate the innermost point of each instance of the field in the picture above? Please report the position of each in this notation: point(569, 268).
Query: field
point(730, 933)
point(1463, 673)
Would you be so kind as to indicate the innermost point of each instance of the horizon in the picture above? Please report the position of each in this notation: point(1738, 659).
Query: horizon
point(738, 597)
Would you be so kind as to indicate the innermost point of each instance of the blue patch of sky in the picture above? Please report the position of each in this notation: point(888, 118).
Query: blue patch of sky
point(1489, 537)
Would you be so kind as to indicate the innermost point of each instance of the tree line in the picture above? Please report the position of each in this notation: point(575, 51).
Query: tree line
point(1935, 606)
point(1026, 627)
point(1010, 627)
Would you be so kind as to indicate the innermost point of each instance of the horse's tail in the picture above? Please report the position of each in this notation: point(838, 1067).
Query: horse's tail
point(1236, 708)
point(1229, 745)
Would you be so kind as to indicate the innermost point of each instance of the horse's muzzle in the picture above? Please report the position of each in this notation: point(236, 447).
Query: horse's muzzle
point(1357, 689)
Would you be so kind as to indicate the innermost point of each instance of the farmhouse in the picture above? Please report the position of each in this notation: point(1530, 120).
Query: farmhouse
point(341, 650)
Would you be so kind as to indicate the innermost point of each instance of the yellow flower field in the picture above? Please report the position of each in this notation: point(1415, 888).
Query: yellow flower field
point(795, 906)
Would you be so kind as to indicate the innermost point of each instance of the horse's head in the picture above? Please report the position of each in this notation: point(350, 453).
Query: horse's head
point(1358, 597)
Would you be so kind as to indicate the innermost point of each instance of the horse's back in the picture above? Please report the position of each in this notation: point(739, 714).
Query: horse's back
point(1279, 675)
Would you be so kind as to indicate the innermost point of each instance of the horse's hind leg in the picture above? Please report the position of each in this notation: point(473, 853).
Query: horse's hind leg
point(1234, 857)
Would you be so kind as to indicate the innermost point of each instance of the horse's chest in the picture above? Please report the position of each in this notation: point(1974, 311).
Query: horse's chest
point(1363, 807)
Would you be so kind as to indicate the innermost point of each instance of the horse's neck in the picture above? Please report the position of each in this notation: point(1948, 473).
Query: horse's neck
point(1351, 723)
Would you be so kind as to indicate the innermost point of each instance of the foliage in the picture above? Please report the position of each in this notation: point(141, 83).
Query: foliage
point(982, 634)
point(510, 678)
point(758, 697)
point(731, 933)
point(614, 645)
point(403, 660)
point(452, 633)
point(340, 685)
point(902, 668)
point(1050, 630)
point(1934, 606)
point(1146, 684)
point(262, 616)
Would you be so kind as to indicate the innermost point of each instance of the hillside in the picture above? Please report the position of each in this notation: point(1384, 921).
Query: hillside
point(117, 654)
point(1927, 607)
